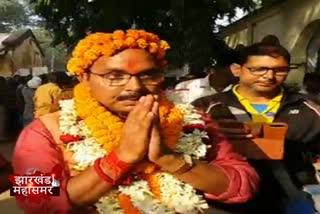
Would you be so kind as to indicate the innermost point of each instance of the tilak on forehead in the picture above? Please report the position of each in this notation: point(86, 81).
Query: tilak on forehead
point(95, 45)
point(132, 66)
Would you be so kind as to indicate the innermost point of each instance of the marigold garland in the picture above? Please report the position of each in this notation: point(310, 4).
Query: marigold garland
point(147, 190)
point(106, 127)
point(96, 45)
point(126, 205)
point(154, 185)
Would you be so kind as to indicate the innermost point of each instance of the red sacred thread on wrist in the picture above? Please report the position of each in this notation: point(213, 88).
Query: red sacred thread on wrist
point(100, 173)
point(114, 165)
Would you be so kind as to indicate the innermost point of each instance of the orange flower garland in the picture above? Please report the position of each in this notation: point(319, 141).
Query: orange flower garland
point(126, 205)
point(96, 45)
point(153, 183)
point(106, 127)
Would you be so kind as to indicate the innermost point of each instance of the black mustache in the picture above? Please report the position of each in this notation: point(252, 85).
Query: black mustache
point(269, 82)
point(133, 96)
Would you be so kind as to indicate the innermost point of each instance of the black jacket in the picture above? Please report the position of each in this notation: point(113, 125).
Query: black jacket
point(302, 145)
point(302, 115)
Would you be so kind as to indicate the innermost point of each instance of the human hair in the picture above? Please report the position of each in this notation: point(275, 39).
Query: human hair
point(271, 40)
point(196, 71)
point(52, 77)
point(63, 79)
point(44, 78)
point(263, 49)
point(311, 82)
point(2, 80)
point(227, 58)
point(311, 76)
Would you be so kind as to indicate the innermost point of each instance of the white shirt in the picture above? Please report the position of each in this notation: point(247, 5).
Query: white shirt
point(190, 90)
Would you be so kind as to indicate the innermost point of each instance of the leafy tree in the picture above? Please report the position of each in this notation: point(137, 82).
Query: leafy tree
point(187, 25)
point(12, 15)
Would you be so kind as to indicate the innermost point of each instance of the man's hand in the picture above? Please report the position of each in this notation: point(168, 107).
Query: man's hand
point(136, 131)
point(158, 151)
point(156, 147)
point(160, 154)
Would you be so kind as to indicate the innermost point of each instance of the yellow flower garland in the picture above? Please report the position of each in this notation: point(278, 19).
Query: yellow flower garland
point(106, 127)
point(96, 45)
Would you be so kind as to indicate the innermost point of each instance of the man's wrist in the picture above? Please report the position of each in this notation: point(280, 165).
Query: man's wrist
point(124, 156)
point(176, 163)
point(113, 167)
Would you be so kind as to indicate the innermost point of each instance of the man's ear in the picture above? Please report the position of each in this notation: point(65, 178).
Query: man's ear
point(79, 77)
point(84, 78)
point(235, 69)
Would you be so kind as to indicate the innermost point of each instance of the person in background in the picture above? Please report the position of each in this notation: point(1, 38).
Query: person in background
point(270, 40)
point(44, 78)
point(12, 109)
point(311, 86)
point(169, 83)
point(3, 111)
point(220, 79)
point(20, 101)
point(191, 85)
point(28, 92)
point(64, 79)
point(46, 95)
point(214, 80)
point(5, 171)
point(66, 92)
point(260, 98)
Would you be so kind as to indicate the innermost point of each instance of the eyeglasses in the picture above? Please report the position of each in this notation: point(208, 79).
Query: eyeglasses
point(260, 71)
point(116, 78)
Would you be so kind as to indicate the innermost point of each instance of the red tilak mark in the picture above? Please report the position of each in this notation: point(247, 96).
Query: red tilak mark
point(132, 67)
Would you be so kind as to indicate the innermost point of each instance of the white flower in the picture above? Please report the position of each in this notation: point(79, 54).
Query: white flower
point(109, 204)
point(190, 116)
point(86, 152)
point(84, 131)
point(192, 144)
point(74, 130)
point(176, 196)
point(68, 118)
point(180, 196)
point(142, 198)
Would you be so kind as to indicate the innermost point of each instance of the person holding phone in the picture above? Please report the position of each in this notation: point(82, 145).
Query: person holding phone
point(260, 98)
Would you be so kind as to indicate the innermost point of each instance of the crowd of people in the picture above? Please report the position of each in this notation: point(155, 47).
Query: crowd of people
point(23, 98)
point(180, 159)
